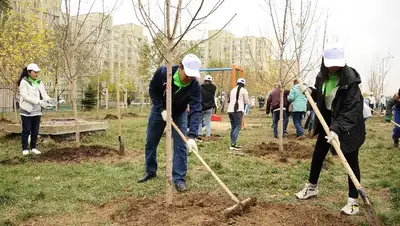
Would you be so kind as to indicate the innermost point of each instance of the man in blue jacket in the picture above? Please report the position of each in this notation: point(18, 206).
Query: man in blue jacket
point(186, 90)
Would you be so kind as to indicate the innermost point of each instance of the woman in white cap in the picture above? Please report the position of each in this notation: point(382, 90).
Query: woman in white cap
point(238, 98)
point(33, 97)
point(208, 103)
point(340, 101)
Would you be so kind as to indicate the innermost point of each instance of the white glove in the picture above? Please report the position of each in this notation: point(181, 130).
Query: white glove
point(44, 104)
point(303, 88)
point(308, 113)
point(332, 136)
point(52, 101)
point(191, 144)
point(164, 115)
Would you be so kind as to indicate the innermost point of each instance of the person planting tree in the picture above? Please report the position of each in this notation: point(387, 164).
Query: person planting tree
point(394, 102)
point(340, 101)
point(186, 90)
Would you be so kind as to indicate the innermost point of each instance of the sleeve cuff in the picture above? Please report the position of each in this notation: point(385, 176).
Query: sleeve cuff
point(335, 129)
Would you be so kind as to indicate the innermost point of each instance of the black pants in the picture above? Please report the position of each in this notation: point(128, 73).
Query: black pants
point(30, 126)
point(321, 149)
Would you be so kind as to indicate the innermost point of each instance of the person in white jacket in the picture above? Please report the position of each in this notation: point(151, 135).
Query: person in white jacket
point(33, 97)
point(238, 98)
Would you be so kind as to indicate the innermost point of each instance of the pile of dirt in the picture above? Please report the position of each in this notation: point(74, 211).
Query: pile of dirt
point(206, 209)
point(129, 114)
point(66, 154)
point(5, 121)
point(213, 137)
point(292, 150)
point(111, 117)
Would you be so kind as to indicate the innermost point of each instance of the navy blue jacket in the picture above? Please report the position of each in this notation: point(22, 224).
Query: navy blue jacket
point(190, 94)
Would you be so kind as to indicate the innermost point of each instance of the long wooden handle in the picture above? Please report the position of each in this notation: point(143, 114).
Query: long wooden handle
point(233, 197)
point(334, 142)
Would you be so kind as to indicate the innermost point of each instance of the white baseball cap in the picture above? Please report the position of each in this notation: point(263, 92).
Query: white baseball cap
point(241, 80)
point(208, 78)
point(334, 56)
point(191, 65)
point(33, 67)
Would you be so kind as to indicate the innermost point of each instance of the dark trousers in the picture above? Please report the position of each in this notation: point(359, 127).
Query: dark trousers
point(236, 125)
point(30, 126)
point(275, 119)
point(155, 130)
point(321, 149)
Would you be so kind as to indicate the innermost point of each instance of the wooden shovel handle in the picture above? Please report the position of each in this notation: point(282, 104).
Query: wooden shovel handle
point(233, 197)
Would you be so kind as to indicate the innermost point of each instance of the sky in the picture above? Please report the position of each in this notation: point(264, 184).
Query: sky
point(368, 29)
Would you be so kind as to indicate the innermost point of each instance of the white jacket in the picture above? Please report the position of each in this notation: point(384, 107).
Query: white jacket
point(29, 95)
point(243, 99)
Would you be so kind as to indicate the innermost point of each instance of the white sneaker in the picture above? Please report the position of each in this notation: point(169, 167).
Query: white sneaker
point(308, 191)
point(36, 151)
point(25, 152)
point(351, 208)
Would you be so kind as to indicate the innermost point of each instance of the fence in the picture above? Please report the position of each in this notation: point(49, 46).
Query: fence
point(6, 100)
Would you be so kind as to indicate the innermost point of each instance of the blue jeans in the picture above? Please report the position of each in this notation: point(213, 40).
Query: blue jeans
point(396, 130)
point(297, 117)
point(155, 130)
point(275, 118)
point(207, 119)
point(236, 125)
point(311, 121)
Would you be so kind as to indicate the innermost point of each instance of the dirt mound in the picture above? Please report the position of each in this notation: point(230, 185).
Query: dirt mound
point(5, 121)
point(292, 150)
point(66, 154)
point(213, 137)
point(110, 116)
point(206, 209)
point(75, 154)
point(129, 114)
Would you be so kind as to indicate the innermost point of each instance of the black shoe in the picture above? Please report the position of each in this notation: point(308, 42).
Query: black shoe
point(147, 177)
point(235, 147)
point(396, 144)
point(180, 187)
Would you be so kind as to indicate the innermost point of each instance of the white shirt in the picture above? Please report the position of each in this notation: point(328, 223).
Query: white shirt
point(372, 100)
point(243, 99)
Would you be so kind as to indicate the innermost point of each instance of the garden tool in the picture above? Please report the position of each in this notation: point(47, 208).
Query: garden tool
point(240, 206)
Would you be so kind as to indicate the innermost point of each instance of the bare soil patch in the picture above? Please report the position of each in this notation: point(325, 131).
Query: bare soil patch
point(291, 149)
point(206, 209)
point(66, 154)
point(213, 137)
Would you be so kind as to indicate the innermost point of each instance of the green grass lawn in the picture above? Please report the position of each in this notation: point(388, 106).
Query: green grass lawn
point(55, 190)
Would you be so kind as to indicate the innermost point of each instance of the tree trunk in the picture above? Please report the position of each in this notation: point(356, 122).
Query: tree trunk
point(126, 98)
point(168, 139)
point(98, 97)
point(75, 107)
point(106, 97)
point(17, 119)
point(142, 98)
point(281, 123)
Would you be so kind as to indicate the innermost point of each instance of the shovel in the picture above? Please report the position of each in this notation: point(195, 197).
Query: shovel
point(371, 215)
point(240, 206)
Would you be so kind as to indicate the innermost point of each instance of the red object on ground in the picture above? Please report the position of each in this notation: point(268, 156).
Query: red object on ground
point(216, 118)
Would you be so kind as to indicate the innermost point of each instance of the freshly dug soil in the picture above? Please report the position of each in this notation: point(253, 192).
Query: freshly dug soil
point(66, 154)
point(206, 209)
point(291, 150)
point(111, 117)
point(129, 115)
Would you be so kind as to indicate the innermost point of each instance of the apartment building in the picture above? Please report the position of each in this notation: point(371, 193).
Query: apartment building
point(248, 51)
point(49, 11)
point(125, 43)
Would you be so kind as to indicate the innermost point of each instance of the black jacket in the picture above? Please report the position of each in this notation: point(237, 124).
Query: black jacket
point(347, 110)
point(207, 96)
